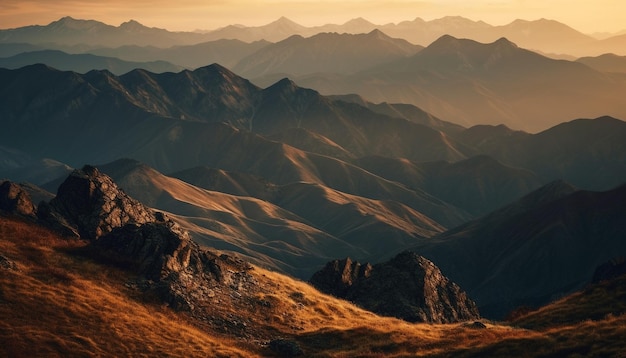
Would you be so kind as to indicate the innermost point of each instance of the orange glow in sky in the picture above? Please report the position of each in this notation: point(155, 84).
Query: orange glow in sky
point(187, 15)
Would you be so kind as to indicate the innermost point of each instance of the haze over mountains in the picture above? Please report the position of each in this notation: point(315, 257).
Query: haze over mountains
point(475, 83)
point(544, 35)
point(456, 79)
point(83, 63)
point(502, 169)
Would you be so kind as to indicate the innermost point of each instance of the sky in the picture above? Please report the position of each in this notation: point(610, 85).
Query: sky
point(188, 15)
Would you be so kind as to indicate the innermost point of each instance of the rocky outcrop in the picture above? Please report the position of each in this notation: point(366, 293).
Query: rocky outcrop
point(166, 261)
point(408, 286)
point(338, 276)
point(14, 199)
point(89, 204)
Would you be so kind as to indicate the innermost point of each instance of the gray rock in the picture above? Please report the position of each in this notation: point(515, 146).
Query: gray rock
point(89, 204)
point(408, 286)
point(14, 199)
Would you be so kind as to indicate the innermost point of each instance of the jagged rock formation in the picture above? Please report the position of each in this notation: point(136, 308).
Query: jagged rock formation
point(171, 265)
point(14, 199)
point(408, 287)
point(126, 233)
point(89, 204)
point(338, 276)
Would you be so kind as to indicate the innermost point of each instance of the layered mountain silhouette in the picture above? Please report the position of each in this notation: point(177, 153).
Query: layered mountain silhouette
point(484, 83)
point(539, 248)
point(366, 181)
point(168, 106)
point(607, 62)
point(455, 79)
point(572, 151)
point(326, 52)
point(222, 51)
point(70, 31)
point(83, 63)
point(294, 227)
point(547, 36)
point(286, 178)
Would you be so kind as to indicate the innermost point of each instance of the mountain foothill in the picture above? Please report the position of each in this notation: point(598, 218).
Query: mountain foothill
point(423, 176)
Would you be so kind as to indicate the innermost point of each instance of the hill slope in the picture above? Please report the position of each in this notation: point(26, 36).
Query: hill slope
point(543, 246)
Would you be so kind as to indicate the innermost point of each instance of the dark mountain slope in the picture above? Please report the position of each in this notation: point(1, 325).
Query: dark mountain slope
point(494, 83)
point(589, 153)
point(83, 63)
point(356, 128)
point(608, 62)
point(113, 105)
point(541, 247)
point(479, 184)
point(405, 111)
point(326, 52)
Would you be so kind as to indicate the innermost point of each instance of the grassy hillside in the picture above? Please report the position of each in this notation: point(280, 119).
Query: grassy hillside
point(55, 301)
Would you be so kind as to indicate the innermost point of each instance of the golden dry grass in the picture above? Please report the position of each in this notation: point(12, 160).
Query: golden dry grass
point(61, 303)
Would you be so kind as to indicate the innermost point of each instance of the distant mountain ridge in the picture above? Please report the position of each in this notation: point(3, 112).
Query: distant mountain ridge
point(484, 83)
point(83, 63)
point(544, 35)
point(325, 52)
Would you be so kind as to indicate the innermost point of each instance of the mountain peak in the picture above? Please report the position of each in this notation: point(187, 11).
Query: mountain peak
point(283, 85)
point(132, 25)
point(376, 33)
point(215, 68)
point(443, 42)
point(284, 21)
point(68, 22)
point(359, 21)
point(504, 41)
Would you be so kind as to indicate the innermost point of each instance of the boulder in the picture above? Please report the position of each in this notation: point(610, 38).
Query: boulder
point(408, 286)
point(14, 199)
point(89, 204)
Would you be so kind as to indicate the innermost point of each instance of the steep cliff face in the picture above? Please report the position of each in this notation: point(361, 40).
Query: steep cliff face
point(408, 287)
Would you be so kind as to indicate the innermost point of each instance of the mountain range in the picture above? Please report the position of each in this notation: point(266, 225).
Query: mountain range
point(359, 180)
point(326, 53)
point(470, 83)
point(208, 196)
point(459, 80)
point(543, 35)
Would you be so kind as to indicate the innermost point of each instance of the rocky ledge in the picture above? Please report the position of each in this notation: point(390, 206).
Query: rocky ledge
point(408, 286)
point(123, 232)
